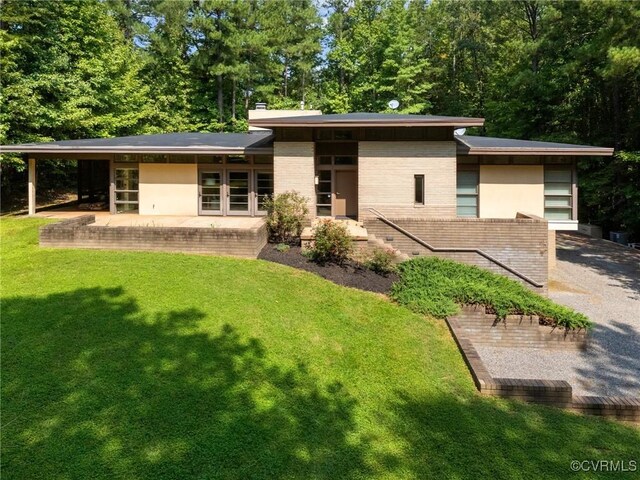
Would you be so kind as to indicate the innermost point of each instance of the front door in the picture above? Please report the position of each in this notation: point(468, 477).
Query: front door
point(238, 191)
point(210, 193)
point(346, 199)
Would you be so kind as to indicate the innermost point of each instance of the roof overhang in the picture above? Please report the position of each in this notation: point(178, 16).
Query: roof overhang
point(170, 143)
point(317, 122)
point(148, 150)
point(543, 148)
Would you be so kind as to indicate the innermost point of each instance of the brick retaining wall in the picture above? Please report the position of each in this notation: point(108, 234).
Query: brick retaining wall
point(558, 393)
point(520, 243)
point(79, 233)
point(517, 331)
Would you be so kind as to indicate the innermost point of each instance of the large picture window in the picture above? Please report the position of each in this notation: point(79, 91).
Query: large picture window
point(467, 193)
point(558, 200)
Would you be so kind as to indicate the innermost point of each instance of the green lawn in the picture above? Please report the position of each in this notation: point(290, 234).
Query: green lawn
point(151, 365)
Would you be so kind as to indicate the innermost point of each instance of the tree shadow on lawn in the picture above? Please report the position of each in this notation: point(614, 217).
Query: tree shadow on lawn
point(93, 388)
point(480, 437)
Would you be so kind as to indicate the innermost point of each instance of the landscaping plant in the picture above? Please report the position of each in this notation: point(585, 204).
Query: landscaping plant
point(331, 243)
point(435, 286)
point(381, 261)
point(286, 213)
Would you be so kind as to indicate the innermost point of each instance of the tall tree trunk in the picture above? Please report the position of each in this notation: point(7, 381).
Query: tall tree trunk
point(533, 11)
point(284, 80)
point(617, 142)
point(233, 100)
point(220, 100)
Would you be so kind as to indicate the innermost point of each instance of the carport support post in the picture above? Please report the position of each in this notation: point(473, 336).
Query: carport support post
point(31, 189)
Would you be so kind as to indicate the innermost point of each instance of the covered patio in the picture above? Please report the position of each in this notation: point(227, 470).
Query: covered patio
point(207, 173)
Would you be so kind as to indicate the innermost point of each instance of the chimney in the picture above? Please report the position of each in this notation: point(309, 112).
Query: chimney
point(261, 106)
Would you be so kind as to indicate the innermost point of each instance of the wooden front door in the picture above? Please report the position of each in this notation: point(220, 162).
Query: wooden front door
point(346, 194)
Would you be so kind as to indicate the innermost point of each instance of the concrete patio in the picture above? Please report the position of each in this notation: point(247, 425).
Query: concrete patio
point(105, 219)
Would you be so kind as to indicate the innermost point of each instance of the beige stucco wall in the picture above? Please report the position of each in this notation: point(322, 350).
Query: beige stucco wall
point(508, 189)
point(168, 189)
point(294, 170)
point(386, 178)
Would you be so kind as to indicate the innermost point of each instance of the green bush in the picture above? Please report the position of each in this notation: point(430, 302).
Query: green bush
point(435, 286)
point(282, 247)
point(381, 261)
point(331, 242)
point(286, 213)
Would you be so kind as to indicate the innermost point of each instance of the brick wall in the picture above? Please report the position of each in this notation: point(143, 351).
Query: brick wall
point(386, 178)
point(516, 331)
point(520, 243)
point(558, 393)
point(294, 170)
point(79, 233)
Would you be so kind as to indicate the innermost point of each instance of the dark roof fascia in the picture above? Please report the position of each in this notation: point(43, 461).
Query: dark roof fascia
point(338, 123)
point(465, 149)
point(148, 150)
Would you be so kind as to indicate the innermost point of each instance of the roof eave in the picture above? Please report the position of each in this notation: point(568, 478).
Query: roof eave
point(151, 150)
point(470, 122)
point(574, 152)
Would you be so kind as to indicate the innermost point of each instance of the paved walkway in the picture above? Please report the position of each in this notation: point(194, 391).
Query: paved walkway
point(601, 280)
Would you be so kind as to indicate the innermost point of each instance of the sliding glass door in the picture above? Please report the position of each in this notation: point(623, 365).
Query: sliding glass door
point(238, 190)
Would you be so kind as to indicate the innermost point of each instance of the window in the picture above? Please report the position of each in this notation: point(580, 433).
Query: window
point(467, 193)
point(264, 189)
point(126, 191)
point(323, 194)
point(418, 181)
point(557, 193)
point(237, 159)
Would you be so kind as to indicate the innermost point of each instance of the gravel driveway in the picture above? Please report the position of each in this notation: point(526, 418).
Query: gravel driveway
point(601, 280)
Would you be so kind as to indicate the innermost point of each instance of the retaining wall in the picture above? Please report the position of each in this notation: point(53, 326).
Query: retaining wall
point(80, 233)
point(558, 393)
point(520, 243)
point(517, 331)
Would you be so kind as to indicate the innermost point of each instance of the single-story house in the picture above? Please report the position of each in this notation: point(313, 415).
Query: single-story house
point(418, 173)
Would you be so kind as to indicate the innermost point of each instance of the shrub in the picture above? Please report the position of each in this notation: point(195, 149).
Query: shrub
point(282, 247)
point(286, 213)
point(331, 242)
point(380, 260)
point(435, 286)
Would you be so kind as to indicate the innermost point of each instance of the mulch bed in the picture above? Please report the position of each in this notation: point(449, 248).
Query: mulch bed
point(350, 274)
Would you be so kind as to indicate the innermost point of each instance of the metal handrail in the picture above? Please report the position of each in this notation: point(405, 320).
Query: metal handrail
point(489, 257)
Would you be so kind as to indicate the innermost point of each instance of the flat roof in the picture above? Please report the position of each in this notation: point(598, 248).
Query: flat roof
point(367, 120)
point(165, 143)
point(470, 145)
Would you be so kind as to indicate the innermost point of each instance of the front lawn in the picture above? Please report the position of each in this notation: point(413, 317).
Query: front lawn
point(151, 365)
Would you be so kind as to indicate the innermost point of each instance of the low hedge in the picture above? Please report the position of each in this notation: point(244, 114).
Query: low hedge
point(435, 286)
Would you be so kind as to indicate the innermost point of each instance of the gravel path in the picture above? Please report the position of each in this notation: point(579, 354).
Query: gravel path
point(601, 280)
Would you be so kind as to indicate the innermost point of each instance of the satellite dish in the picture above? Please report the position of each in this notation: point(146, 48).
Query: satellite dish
point(459, 131)
point(393, 104)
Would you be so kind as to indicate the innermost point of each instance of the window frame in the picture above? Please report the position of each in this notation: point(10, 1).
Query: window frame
point(570, 208)
point(468, 168)
point(419, 177)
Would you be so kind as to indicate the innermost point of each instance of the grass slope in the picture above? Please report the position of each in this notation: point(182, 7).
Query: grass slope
point(150, 365)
